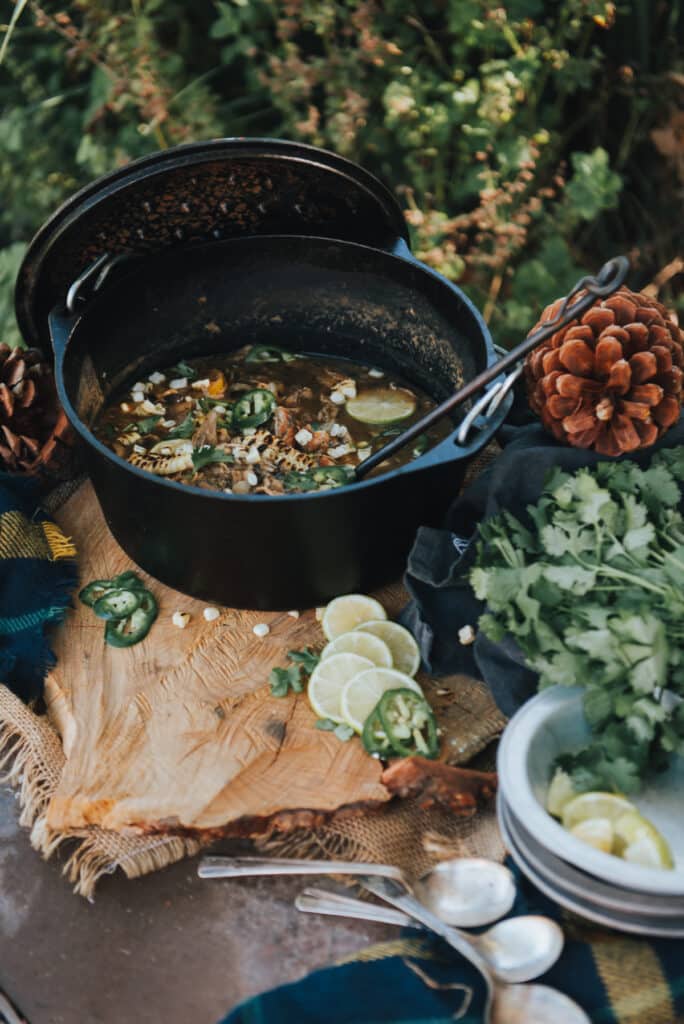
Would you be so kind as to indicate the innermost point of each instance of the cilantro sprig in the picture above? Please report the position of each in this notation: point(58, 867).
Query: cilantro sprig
point(283, 680)
point(208, 455)
point(591, 587)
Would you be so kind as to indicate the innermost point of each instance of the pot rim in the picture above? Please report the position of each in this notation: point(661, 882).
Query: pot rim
point(445, 452)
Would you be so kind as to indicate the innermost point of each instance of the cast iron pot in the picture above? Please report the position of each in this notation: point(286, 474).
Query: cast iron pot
point(199, 250)
point(310, 294)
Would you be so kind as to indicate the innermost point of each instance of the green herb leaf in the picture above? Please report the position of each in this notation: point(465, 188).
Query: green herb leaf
point(202, 457)
point(571, 577)
point(148, 424)
point(343, 732)
point(183, 369)
point(283, 680)
point(326, 724)
point(307, 658)
point(185, 428)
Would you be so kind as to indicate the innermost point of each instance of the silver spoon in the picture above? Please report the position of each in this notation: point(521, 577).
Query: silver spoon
point(466, 891)
point(518, 949)
point(505, 1003)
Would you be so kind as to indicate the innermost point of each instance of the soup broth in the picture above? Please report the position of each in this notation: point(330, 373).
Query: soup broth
point(264, 420)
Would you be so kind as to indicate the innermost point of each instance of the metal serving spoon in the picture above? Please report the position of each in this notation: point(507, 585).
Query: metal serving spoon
point(505, 1003)
point(467, 891)
point(518, 949)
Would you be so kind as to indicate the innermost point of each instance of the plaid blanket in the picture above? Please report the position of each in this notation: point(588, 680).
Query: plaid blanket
point(616, 979)
point(37, 576)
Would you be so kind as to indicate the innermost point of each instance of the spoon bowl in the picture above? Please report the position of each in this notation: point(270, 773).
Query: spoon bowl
point(535, 1004)
point(521, 948)
point(467, 892)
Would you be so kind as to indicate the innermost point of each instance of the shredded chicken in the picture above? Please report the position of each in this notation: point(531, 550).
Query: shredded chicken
point(206, 432)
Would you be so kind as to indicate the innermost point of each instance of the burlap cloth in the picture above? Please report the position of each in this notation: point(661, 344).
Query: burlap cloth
point(401, 833)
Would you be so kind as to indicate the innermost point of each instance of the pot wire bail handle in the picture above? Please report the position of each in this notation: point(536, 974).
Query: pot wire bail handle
point(94, 275)
point(609, 278)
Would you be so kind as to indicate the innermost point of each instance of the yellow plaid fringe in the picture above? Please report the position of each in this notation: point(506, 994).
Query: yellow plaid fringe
point(60, 545)
point(20, 538)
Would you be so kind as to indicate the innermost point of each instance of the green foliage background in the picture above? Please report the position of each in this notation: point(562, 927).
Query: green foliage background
point(526, 139)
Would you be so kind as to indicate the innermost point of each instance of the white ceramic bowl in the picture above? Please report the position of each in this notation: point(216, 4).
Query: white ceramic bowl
point(553, 723)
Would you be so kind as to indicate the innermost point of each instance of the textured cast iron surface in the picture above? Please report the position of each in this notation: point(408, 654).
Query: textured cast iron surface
point(213, 190)
point(308, 294)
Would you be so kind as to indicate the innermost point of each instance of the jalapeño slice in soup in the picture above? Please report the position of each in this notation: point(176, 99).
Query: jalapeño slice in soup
point(264, 420)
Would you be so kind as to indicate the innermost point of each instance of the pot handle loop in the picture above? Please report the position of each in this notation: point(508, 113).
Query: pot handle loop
point(93, 277)
point(487, 404)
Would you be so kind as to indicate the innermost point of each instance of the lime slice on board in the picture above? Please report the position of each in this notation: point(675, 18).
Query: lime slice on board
point(403, 647)
point(379, 406)
point(363, 692)
point(364, 644)
point(595, 805)
point(345, 613)
point(328, 680)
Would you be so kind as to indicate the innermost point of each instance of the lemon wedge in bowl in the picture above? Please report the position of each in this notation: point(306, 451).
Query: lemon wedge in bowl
point(638, 840)
point(561, 792)
point(328, 680)
point(597, 832)
point(362, 693)
point(345, 613)
point(595, 804)
point(609, 822)
point(403, 647)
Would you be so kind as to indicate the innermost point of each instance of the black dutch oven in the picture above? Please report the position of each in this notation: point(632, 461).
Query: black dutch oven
point(204, 248)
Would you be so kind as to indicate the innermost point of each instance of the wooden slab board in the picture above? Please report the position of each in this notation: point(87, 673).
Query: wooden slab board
point(180, 732)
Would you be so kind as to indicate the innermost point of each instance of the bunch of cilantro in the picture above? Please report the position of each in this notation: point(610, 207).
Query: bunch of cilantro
point(592, 590)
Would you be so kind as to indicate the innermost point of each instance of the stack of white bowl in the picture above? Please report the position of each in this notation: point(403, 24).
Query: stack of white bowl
point(593, 884)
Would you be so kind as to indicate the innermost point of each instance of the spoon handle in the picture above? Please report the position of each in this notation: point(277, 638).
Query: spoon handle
point(358, 910)
point(242, 867)
point(388, 891)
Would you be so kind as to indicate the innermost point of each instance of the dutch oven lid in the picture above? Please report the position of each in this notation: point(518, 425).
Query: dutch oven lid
point(223, 188)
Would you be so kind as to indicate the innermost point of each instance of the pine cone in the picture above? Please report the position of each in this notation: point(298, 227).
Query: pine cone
point(35, 436)
point(611, 381)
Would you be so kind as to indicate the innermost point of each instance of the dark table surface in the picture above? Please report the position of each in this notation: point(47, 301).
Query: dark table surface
point(164, 949)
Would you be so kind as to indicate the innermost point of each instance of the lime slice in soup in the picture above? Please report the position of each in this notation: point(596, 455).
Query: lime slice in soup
point(378, 406)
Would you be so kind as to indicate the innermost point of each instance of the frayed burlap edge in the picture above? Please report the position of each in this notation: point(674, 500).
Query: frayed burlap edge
point(31, 762)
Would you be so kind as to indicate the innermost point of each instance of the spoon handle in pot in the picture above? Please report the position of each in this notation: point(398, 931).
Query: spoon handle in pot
point(609, 278)
point(245, 867)
point(389, 892)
